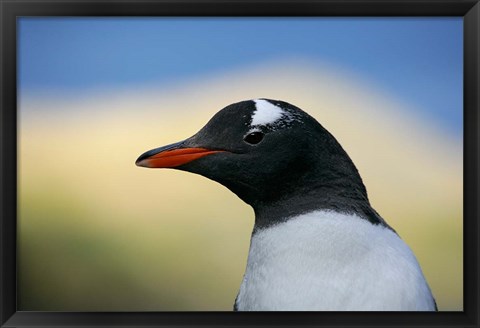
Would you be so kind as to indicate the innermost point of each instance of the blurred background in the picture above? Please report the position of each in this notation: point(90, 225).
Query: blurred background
point(97, 233)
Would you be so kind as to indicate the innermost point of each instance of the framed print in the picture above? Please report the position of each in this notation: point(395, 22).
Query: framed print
point(333, 146)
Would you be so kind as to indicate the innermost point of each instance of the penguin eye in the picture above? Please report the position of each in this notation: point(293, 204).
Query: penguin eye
point(254, 138)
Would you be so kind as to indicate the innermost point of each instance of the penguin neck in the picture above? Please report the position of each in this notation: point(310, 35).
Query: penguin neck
point(329, 192)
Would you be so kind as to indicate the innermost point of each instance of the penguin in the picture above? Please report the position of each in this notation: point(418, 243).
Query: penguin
point(317, 243)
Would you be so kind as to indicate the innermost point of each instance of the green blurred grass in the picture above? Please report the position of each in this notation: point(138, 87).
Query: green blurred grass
point(70, 260)
point(70, 263)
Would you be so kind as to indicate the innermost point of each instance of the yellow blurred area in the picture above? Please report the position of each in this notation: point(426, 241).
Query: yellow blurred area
point(97, 233)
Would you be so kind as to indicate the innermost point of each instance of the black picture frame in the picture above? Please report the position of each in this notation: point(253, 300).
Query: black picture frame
point(10, 10)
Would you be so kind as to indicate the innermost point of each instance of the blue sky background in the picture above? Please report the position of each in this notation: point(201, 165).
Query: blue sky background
point(418, 60)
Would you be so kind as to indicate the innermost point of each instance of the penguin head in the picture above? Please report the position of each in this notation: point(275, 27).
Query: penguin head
point(263, 150)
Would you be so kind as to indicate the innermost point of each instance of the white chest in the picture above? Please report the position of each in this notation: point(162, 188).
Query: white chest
point(325, 261)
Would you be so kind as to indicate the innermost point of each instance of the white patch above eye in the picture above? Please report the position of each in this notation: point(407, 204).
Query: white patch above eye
point(266, 113)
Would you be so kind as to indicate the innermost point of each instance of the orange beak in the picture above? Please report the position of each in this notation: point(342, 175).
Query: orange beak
point(172, 156)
